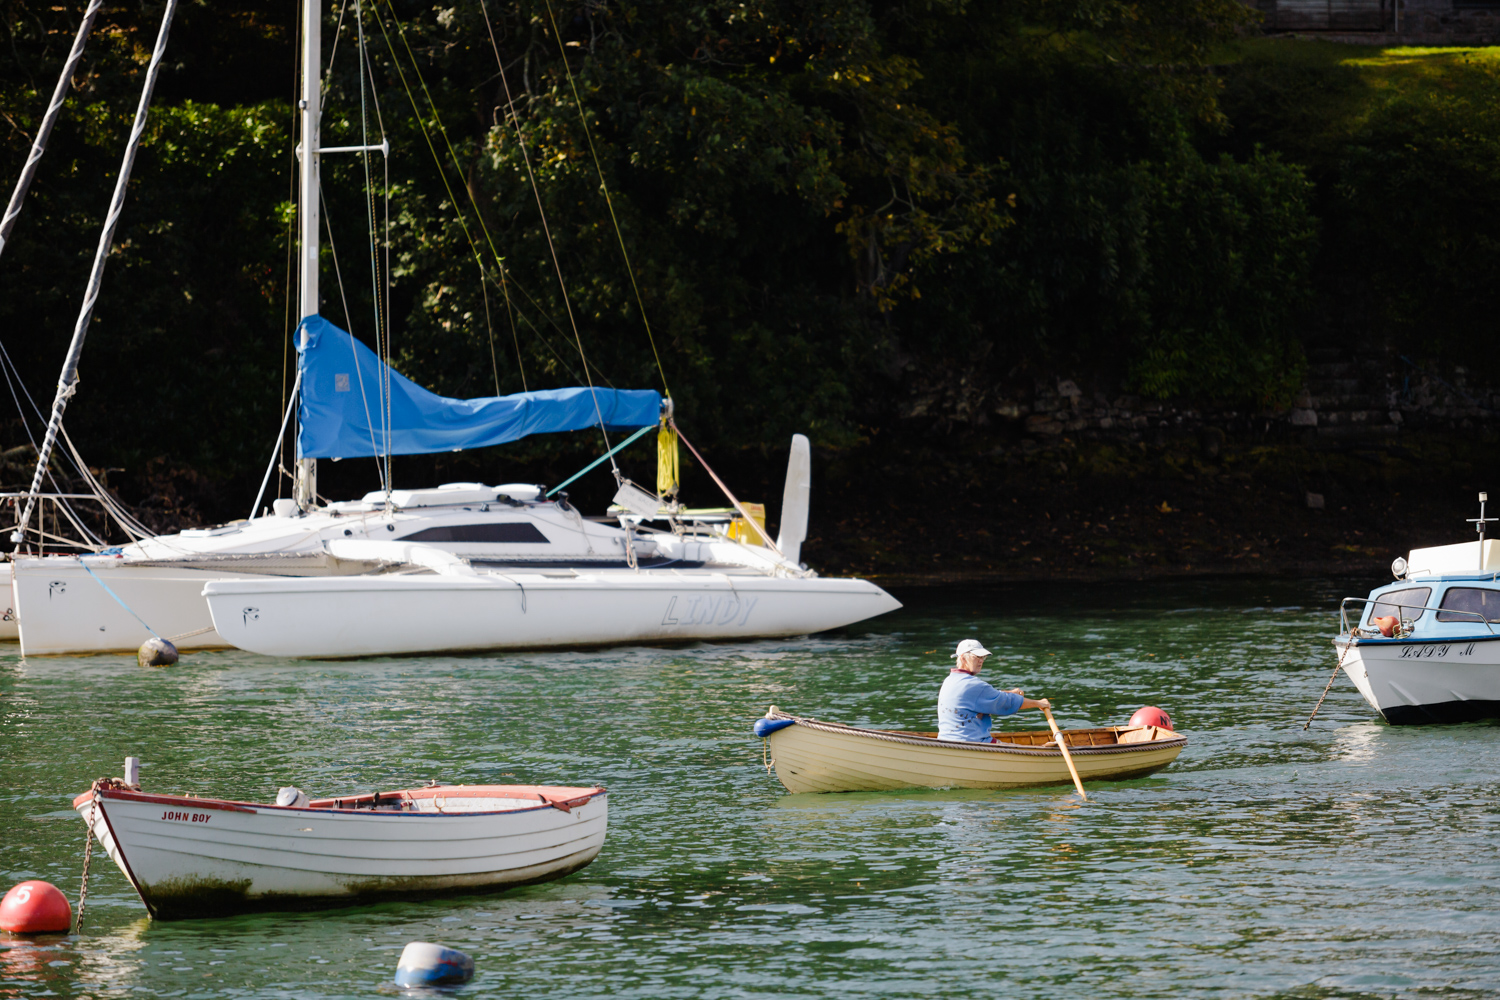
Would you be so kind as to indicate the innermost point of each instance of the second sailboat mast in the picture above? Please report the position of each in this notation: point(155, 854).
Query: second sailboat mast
point(306, 489)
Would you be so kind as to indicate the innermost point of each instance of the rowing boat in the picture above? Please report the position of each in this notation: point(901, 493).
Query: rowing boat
point(192, 857)
point(813, 756)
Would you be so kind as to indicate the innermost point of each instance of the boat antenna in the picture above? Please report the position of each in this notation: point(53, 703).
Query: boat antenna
point(1479, 523)
point(39, 145)
point(67, 382)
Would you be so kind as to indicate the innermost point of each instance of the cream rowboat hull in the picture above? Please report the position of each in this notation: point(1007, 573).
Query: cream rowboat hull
point(812, 756)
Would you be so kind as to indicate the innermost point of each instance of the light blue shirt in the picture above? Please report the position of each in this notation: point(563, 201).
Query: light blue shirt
point(965, 705)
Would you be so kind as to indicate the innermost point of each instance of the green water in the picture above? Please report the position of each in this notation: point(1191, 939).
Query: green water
point(1354, 860)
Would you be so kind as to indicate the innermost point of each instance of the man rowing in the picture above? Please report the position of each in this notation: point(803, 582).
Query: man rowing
point(966, 704)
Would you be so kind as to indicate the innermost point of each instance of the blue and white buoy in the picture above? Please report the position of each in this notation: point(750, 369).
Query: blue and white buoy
point(424, 964)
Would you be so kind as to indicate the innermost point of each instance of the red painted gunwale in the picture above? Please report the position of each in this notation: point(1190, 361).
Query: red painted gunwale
point(547, 796)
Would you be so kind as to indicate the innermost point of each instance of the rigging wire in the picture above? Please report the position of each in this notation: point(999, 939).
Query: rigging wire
point(67, 383)
point(453, 156)
point(546, 231)
point(382, 320)
point(603, 185)
point(473, 245)
point(6, 367)
point(291, 241)
point(333, 251)
point(49, 118)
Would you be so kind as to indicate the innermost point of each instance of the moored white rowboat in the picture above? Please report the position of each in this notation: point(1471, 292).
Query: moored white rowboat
point(813, 756)
point(191, 857)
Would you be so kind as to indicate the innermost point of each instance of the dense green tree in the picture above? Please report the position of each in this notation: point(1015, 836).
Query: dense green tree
point(823, 205)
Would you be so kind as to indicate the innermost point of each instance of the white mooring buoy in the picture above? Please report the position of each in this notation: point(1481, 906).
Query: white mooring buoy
point(156, 652)
point(424, 964)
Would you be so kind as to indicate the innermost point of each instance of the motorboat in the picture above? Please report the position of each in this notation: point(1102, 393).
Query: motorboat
point(809, 755)
point(200, 857)
point(1424, 648)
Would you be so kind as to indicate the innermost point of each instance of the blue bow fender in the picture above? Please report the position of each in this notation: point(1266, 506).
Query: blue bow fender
point(765, 727)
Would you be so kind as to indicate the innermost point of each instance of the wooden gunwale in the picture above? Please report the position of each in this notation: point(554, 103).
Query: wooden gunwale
point(1007, 749)
point(354, 803)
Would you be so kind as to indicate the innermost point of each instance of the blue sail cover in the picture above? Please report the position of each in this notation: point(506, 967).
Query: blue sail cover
point(340, 407)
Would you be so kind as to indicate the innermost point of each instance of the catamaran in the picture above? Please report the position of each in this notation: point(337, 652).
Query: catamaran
point(457, 566)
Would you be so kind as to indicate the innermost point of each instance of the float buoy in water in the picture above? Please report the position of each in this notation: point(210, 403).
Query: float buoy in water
point(35, 907)
point(424, 964)
point(156, 652)
point(1151, 716)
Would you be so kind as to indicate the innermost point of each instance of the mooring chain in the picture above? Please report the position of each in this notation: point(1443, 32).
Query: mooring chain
point(1329, 686)
point(88, 856)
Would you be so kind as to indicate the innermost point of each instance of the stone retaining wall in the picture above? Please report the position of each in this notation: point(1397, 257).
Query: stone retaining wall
point(1358, 402)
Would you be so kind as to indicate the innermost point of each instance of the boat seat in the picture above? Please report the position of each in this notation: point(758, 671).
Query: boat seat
point(1145, 734)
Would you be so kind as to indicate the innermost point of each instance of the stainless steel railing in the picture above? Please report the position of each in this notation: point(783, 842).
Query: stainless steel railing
point(1405, 622)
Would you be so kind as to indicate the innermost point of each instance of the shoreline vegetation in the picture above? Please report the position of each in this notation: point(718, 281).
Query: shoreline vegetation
point(894, 227)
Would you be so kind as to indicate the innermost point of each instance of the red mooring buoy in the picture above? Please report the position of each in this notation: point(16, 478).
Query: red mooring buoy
point(1151, 716)
point(35, 907)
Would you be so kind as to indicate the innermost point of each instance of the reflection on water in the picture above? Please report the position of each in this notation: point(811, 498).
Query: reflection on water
point(1352, 860)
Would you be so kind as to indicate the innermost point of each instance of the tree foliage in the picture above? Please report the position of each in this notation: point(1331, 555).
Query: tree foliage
point(821, 205)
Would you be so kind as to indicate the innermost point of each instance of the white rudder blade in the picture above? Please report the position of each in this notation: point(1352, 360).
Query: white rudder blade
point(795, 499)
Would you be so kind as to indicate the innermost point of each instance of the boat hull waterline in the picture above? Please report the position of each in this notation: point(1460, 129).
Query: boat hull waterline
point(1416, 681)
point(190, 857)
point(813, 756)
point(310, 617)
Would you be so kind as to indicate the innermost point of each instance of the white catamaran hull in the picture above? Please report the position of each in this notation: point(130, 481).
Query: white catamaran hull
point(1425, 680)
point(192, 857)
point(10, 630)
point(379, 615)
point(67, 610)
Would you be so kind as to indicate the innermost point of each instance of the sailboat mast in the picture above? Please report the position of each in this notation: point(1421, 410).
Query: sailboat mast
point(310, 107)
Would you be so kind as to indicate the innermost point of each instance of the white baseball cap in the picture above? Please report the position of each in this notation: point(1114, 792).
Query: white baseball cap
point(970, 646)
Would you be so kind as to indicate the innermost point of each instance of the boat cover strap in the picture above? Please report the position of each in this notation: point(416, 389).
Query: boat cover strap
point(342, 416)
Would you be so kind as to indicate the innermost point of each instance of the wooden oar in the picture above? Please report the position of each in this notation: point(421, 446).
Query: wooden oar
point(1062, 745)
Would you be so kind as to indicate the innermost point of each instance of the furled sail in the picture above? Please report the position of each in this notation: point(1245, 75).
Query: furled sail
point(340, 410)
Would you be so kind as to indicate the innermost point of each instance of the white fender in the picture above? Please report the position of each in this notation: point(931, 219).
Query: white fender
point(795, 499)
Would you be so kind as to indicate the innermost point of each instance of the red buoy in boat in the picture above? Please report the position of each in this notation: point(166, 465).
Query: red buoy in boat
point(35, 907)
point(1387, 624)
point(1151, 716)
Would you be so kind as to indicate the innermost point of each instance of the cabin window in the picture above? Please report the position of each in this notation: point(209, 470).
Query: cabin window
point(1401, 604)
point(510, 532)
point(1475, 600)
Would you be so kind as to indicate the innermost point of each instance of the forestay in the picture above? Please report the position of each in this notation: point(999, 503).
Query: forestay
point(340, 410)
